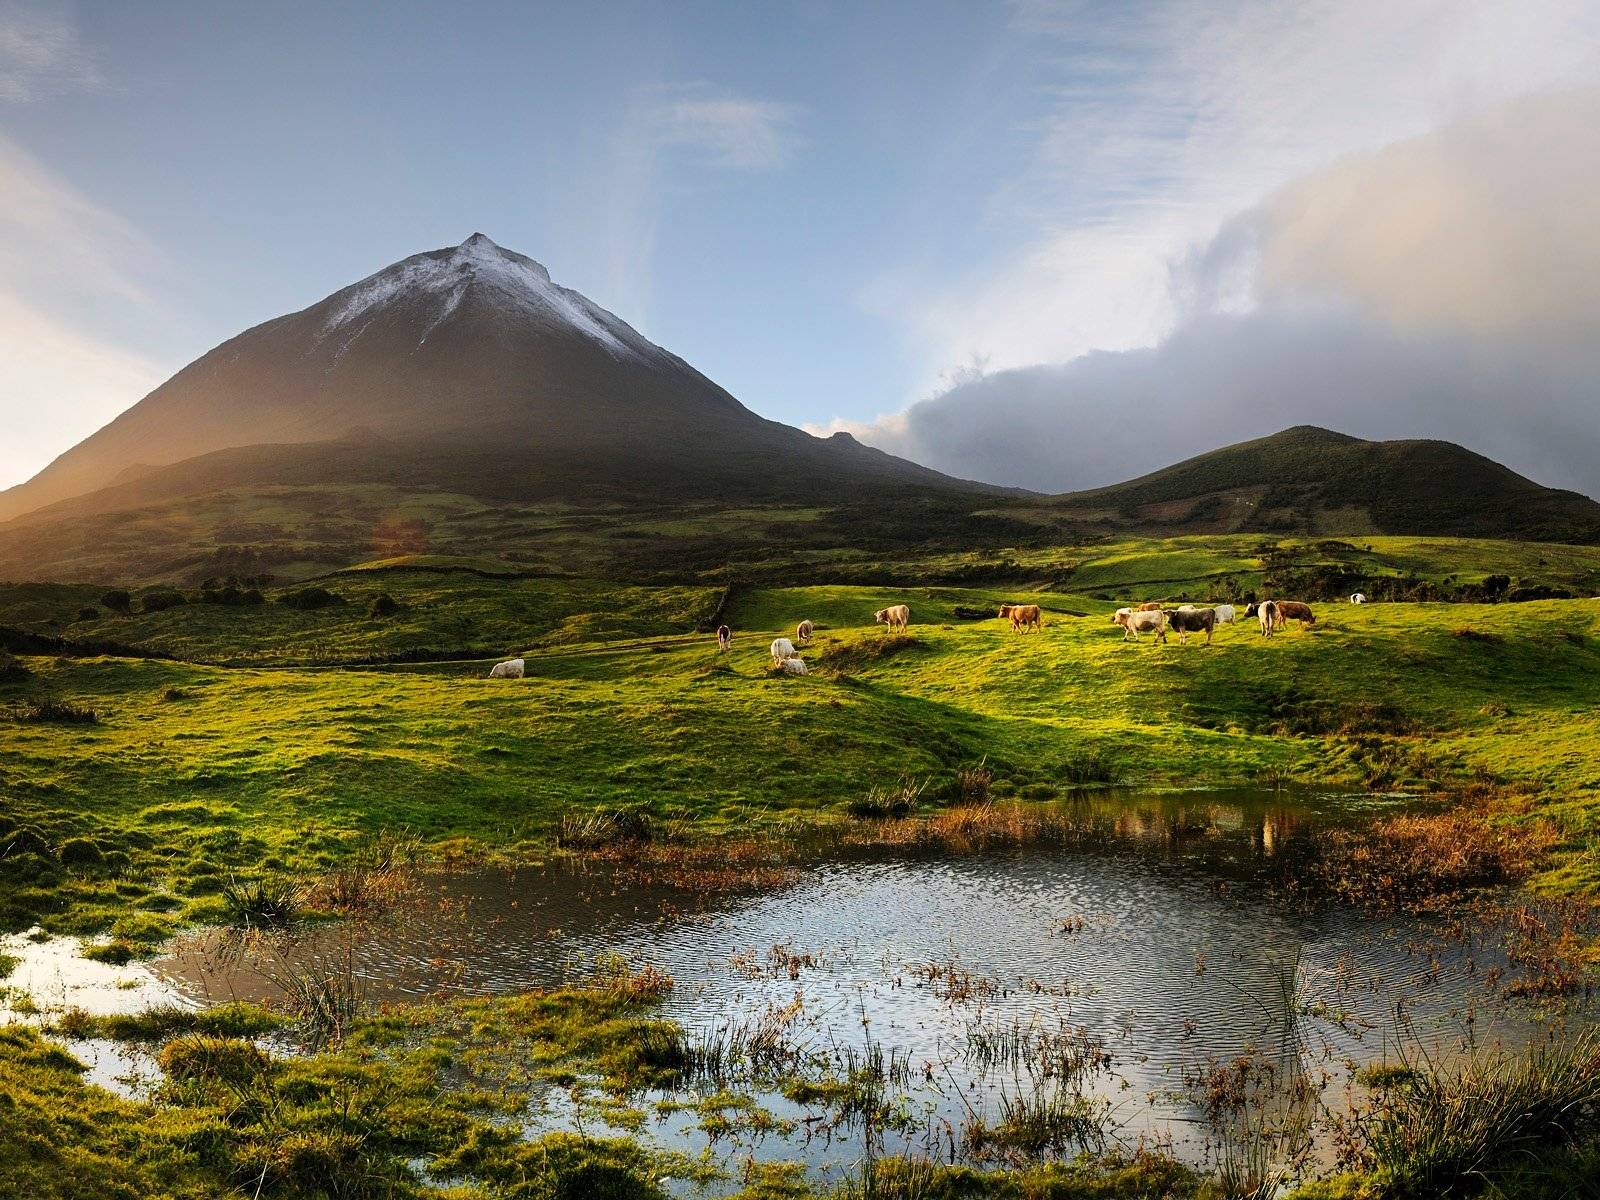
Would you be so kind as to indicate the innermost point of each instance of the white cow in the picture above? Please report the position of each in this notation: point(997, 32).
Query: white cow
point(1225, 614)
point(795, 666)
point(1136, 620)
point(804, 631)
point(782, 651)
point(510, 669)
point(1358, 598)
point(896, 617)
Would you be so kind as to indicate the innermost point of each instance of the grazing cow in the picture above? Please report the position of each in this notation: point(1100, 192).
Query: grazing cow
point(1191, 620)
point(896, 617)
point(1267, 614)
point(795, 666)
point(1293, 610)
point(803, 631)
point(724, 638)
point(510, 669)
point(782, 651)
point(1023, 616)
point(1139, 620)
point(1358, 598)
point(1148, 606)
point(1224, 613)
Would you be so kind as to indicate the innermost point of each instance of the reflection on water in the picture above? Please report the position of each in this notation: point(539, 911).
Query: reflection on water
point(1147, 936)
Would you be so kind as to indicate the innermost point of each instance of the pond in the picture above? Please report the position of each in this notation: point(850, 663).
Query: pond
point(1114, 984)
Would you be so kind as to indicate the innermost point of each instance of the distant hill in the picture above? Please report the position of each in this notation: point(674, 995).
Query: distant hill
point(1312, 480)
point(464, 369)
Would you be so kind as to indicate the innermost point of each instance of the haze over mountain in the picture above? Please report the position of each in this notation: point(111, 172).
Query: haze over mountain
point(464, 368)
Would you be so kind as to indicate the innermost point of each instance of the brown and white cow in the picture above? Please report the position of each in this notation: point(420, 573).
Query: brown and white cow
point(1267, 614)
point(803, 631)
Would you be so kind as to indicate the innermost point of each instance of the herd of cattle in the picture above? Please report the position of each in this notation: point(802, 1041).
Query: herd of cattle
point(1150, 617)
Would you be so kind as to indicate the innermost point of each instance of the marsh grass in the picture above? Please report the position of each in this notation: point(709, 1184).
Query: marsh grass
point(895, 800)
point(261, 903)
point(1416, 859)
point(324, 992)
point(1445, 1131)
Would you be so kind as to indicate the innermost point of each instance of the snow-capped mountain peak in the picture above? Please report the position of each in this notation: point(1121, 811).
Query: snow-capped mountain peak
point(438, 281)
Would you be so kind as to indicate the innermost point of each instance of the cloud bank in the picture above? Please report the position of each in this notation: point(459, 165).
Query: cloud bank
point(1444, 285)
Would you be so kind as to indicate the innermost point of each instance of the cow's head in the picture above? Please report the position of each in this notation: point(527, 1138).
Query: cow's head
point(881, 617)
point(1250, 609)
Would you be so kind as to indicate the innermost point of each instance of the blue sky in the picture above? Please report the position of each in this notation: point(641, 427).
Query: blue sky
point(835, 210)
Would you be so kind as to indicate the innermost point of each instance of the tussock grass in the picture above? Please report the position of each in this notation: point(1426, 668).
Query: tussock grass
point(1443, 1132)
point(261, 903)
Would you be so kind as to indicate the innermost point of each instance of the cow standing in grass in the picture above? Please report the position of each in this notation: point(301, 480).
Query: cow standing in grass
point(1023, 617)
point(782, 651)
point(1135, 621)
point(512, 668)
point(1294, 610)
point(1267, 613)
point(1189, 620)
point(724, 639)
point(795, 666)
point(1358, 598)
point(804, 631)
point(896, 617)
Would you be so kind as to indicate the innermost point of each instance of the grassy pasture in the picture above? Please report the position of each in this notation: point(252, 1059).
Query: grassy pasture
point(193, 770)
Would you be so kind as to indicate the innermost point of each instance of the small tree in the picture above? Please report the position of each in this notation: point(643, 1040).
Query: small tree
point(117, 600)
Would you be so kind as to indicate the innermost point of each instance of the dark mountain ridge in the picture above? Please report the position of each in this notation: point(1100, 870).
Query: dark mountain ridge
point(1309, 479)
point(463, 368)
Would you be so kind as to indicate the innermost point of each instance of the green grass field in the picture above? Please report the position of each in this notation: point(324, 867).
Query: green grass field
point(194, 770)
point(264, 748)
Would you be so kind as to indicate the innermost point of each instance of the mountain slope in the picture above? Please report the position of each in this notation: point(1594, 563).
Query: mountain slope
point(1309, 479)
point(460, 368)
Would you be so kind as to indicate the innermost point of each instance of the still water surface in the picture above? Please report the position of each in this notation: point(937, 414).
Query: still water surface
point(1155, 934)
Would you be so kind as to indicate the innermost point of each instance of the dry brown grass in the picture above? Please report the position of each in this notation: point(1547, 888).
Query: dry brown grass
point(1420, 859)
point(969, 826)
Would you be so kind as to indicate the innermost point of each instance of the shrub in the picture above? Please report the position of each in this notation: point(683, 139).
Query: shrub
point(10, 667)
point(56, 712)
point(161, 601)
point(384, 605)
point(311, 598)
point(88, 614)
point(80, 852)
point(117, 600)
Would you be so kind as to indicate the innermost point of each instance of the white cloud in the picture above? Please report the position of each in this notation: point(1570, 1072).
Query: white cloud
point(733, 131)
point(1163, 120)
point(1441, 286)
point(695, 122)
point(40, 51)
